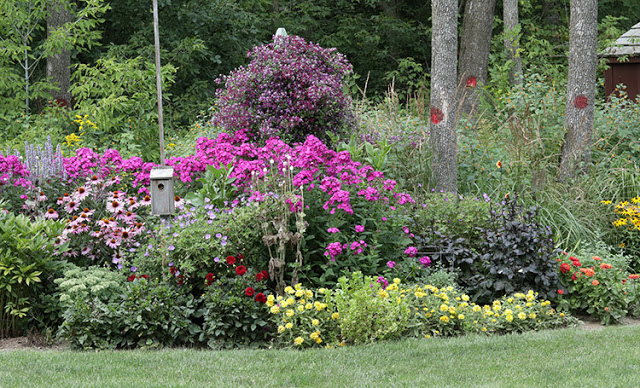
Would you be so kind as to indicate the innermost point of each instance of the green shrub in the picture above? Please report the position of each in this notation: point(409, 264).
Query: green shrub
point(367, 311)
point(27, 267)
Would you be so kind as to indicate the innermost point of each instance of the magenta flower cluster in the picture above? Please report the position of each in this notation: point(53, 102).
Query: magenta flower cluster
point(291, 88)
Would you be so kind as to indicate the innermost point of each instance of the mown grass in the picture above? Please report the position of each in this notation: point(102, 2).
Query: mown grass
point(562, 358)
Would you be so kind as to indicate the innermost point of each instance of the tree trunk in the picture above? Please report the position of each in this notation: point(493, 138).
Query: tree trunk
point(59, 65)
point(512, 39)
point(475, 45)
point(581, 88)
point(444, 49)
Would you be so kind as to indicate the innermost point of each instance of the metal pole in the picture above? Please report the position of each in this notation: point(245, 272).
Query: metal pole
point(156, 35)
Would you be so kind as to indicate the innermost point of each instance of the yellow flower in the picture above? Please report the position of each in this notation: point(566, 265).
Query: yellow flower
point(271, 298)
point(383, 294)
point(427, 336)
point(301, 308)
point(465, 297)
point(269, 303)
point(477, 308)
point(522, 316)
point(484, 329)
point(562, 314)
point(298, 341)
point(322, 290)
point(461, 316)
point(308, 306)
point(508, 312)
point(289, 325)
point(319, 306)
point(315, 322)
point(302, 301)
point(444, 319)
point(509, 318)
point(290, 301)
point(496, 307)
point(275, 310)
point(444, 307)
point(289, 313)
point(452, 310)
point(289, 290)
point(335, 316)
point(318, 340)
point(510, 300)
point(532, 315)
point(396, 281)
point(299, 293)
point(314, 335)
point(281, 329)
point(393, 287)
point(298, 286)
point(308, 294)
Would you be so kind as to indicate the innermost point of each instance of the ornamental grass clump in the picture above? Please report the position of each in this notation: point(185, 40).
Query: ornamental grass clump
point(291, 88)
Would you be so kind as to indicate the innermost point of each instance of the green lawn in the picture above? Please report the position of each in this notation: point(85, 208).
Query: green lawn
point(563, 358)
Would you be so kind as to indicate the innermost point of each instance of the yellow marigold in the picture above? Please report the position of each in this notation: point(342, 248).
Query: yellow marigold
point(530, 297)
point(318, 340)
point(308, 306)
point(299, 293)
point(288, 325)
point(392, 287)
point(302, 301)
point(532, 316)
point(275, 310)
point(289, 290)
point(452, 310)
point(301, 308)
point(383, 294)
point(465, 297)
point(419, 294)
point(444, 307)
point(460, 316)
point(281, 329)
point(477, 309)
point(509, 318)
point(335, 315)
point(444, 319)
point(315, 322)
point(308, 294)
point(298, 286)
point(396, 281)
point(522, 316)
point(289, 313)
point(298, 341)
point(314, 335)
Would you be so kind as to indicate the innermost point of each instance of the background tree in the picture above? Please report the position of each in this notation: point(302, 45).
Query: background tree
point(475, 45)
point(512, 39)
point(581, 87)
point(59, 64)
point(444, 49)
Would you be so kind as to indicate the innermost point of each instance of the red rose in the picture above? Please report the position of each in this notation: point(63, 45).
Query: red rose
point(131, 278)
point(173, 270)
point(259, 276)
point(249, 291)
point(145, 276)
point(231, 260)
point(241, 270)
point(180, 279)
point(209, 277)
point(260, 298)
point(565, 268)
point(265, 275)
point(240, 257)
point(574, 277)
point(560, 292)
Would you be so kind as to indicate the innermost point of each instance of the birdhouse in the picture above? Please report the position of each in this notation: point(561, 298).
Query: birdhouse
point(162, 194)
point(624, 63)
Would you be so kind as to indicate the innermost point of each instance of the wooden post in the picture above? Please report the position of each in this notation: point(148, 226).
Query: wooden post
point(156, 35)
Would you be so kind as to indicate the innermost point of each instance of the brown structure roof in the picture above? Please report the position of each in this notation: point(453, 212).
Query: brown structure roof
point(624, 70)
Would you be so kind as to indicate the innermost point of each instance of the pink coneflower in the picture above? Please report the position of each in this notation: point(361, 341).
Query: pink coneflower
point(80, 194)
point(114, 206)
point(86, 250)
point(104, 223)
point(129, 217)
point(41, 197)
point(178, 201)
point(71, 206)
point(146, 201)
point(51, 214)
point(112, 243)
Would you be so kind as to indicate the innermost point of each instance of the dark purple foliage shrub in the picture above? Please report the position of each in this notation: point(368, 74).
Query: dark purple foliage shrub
point(291, 89)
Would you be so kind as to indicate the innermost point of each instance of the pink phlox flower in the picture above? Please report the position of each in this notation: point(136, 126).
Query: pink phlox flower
point(411, 251)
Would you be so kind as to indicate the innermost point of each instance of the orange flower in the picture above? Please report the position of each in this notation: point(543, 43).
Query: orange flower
point(595, 282)
point(606, 266)
point(589, 272)
point(499, 164)
point(634, 276)
point(596, 258)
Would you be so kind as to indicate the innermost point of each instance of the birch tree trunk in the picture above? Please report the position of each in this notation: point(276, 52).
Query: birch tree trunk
point(512, 39)
point(475, 45)
point(59, 65)
point(581, 88)
point(444, 49)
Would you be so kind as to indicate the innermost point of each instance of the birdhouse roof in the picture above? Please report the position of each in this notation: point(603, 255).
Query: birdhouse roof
point(627, 44)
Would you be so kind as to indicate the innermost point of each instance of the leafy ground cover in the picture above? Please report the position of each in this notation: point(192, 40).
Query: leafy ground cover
point(568, 357)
